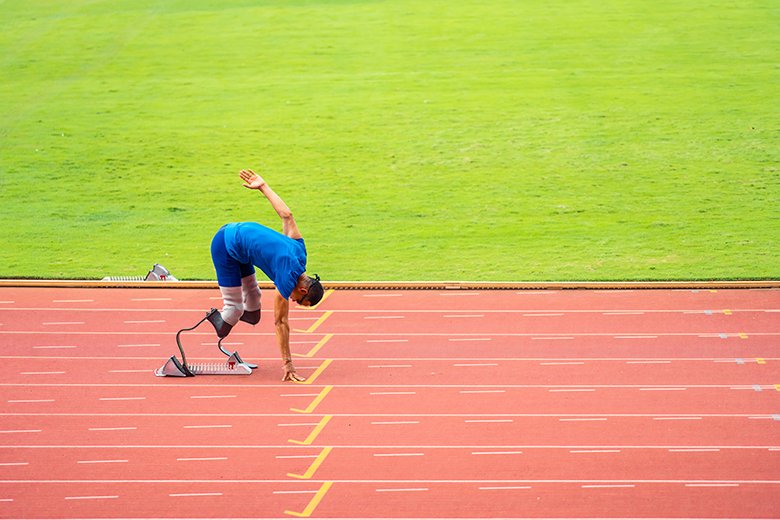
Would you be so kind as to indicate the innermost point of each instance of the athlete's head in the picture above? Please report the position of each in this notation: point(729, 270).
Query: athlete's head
point(309, 291)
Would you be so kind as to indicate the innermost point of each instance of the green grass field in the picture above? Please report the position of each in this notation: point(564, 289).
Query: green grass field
point(414, 140)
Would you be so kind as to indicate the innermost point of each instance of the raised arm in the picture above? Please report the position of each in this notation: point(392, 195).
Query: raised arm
point(254, 182)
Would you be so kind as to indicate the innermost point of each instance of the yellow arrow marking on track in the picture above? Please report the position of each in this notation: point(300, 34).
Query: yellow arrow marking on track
point(317, 372)
point(316, 347)
point(317, 323)
point(314, 465)
point(317, 400)
point(316, 431)
point(313, 503)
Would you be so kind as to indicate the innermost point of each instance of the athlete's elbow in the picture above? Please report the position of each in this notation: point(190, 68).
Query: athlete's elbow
point(282, 323)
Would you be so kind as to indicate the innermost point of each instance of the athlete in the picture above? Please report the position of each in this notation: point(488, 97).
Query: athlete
point(240, 246)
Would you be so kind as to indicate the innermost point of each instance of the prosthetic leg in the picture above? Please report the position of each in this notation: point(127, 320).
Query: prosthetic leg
point(233, 366)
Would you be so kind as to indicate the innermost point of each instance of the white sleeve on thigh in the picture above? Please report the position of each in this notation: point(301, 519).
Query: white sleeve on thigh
point(232, 307)
point(251, 293)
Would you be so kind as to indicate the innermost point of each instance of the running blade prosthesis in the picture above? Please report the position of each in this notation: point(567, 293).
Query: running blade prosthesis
point(234, 365)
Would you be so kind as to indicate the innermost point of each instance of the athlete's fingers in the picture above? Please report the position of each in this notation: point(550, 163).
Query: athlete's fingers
point(292, 376)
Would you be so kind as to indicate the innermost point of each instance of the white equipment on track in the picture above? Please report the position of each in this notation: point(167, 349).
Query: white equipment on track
point(233, 366)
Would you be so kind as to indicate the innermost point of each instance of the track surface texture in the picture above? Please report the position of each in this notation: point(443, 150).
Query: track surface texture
point(436, 404)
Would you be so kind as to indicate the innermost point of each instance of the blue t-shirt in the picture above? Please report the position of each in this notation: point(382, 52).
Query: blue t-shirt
point(280, 257)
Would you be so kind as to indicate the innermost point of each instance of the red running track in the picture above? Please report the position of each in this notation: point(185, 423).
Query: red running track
point(439, 404)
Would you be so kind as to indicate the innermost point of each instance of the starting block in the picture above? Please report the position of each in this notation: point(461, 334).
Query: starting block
point(233, 366)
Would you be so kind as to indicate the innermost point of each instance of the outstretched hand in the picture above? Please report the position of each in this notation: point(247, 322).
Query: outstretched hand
point(290, 375)
point(251, 180)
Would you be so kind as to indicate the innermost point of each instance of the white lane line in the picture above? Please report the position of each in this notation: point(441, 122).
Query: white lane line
point(712, 485)
point(551, 363)
point(391, 393)
point(469, 339)
point(200, 459)
point(63, 323)
point(387, 341)
point(54, 347)
point(205, 426)
point(31, 400)
point(297, 456)
point(693, 450)
point(596, 486)
point(391, 490)
point(129, 345)
point(398, 454)
point(488, 420)
point(496, 452)
point(115, 429)
point(677, 418)
point(475, 364)
point(383, 317)
point(195, 494)
point(20, 431)
point(481, 391)
point(116, 461)
point(121, 398)
point(389, 366)
point(142, 322)
point(490, 488)
point(394, 422)
point(99, 497)
point(212, 396)
point(594, 451)
point(14, 463)
point(40, 373)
